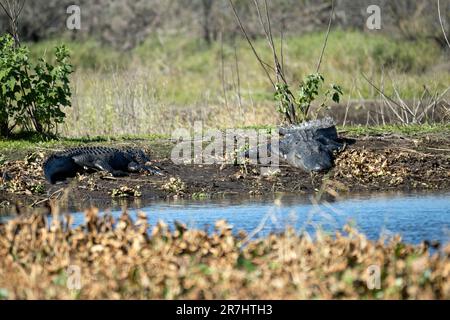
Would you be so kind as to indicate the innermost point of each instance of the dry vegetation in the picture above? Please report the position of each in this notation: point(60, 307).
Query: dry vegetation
point(122, 259)
point(391, 167)
point(172, 82)
point(152, 66)
point(125, 24)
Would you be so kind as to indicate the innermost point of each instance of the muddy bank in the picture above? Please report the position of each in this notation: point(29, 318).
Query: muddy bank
point(372, 163)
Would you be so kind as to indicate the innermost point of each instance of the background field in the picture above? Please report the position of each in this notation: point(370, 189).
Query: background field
point(171, 81)
point(146, 67)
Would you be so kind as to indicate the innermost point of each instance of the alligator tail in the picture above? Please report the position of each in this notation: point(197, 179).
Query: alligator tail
point(59, 167)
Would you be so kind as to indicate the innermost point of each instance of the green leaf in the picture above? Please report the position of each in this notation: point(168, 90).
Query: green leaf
point(336, 97)
point(4, 72)
point(245, 263)
point(11, 83)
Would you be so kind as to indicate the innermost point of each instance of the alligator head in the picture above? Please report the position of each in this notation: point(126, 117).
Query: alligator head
point(139, 156)
point(141, 161)
point(310, 146)
point(308, 156)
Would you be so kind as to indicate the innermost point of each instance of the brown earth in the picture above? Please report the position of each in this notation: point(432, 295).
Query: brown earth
point(375, 163)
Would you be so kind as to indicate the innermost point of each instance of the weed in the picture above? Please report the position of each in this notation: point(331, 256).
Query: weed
point(125, 192)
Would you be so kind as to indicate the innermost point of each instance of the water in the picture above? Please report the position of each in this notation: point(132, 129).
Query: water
point(416, 217)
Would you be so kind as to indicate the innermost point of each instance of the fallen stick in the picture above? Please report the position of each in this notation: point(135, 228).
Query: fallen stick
point(48, 198)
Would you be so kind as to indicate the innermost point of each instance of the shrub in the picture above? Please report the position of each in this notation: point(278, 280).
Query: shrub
point(296, 109)
point(32, 95)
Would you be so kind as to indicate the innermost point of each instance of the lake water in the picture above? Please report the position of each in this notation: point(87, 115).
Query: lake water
point(416, 217)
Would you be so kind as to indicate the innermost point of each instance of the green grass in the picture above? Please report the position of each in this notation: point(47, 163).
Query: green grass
point(87, 55)
point(169, 82)
point(24, 143)
point(409, 130)
point(27, 143)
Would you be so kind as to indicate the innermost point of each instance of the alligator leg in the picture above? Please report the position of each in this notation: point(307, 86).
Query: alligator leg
point(104, 166)
point(153, 171)
point(82, 162)
point(99, 165)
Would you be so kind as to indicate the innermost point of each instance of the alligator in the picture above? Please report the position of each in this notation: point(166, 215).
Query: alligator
point(68, 163)
point(309, 146)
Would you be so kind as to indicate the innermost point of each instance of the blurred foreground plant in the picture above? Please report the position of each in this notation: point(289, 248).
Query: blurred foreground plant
point(125, 258)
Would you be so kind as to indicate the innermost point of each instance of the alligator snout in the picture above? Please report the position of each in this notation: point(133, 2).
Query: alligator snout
point(317, 162)
point(309, 156)
point(320, 168)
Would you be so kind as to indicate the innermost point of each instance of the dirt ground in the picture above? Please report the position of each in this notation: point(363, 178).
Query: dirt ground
point(372, 163)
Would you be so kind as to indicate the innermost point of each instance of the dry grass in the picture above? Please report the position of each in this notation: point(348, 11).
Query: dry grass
point(391, 167)
point(140, 102)
point(23, 176)
point(122, 259)
point(168, 82)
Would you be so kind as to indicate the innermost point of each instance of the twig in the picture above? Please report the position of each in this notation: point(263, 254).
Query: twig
point(347, 107)
point(238, 78)
point(13, 11)
point(48, 198)
point(109, 178)
point(388, 99)
point(261, 62)
point(415, 151)
point(269, 37)
point(442, 23)
point(326, 37)
point(281, 50)
point(222, 68)
point(439, 149)
point(6, 11)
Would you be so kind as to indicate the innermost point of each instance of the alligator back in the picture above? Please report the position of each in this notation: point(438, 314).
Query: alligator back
point(95, 150)
point(323, 128)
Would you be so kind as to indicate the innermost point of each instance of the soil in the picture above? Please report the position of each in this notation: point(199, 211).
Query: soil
point(372, 163)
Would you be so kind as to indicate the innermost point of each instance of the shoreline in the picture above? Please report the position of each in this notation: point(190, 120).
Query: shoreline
point(372, 164)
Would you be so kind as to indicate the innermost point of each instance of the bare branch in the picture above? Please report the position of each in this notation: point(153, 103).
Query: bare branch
point(21, 8)
point(380, 91)
point(261, 62)
point(326, 37)
point(388, 99)
point(279, 70)
point(13, 9)
point(6, 11)
point(442, 23)
point(281, 50)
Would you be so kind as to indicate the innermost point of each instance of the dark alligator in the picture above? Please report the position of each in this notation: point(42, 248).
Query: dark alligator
point(309, 146)
point(68, 163)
